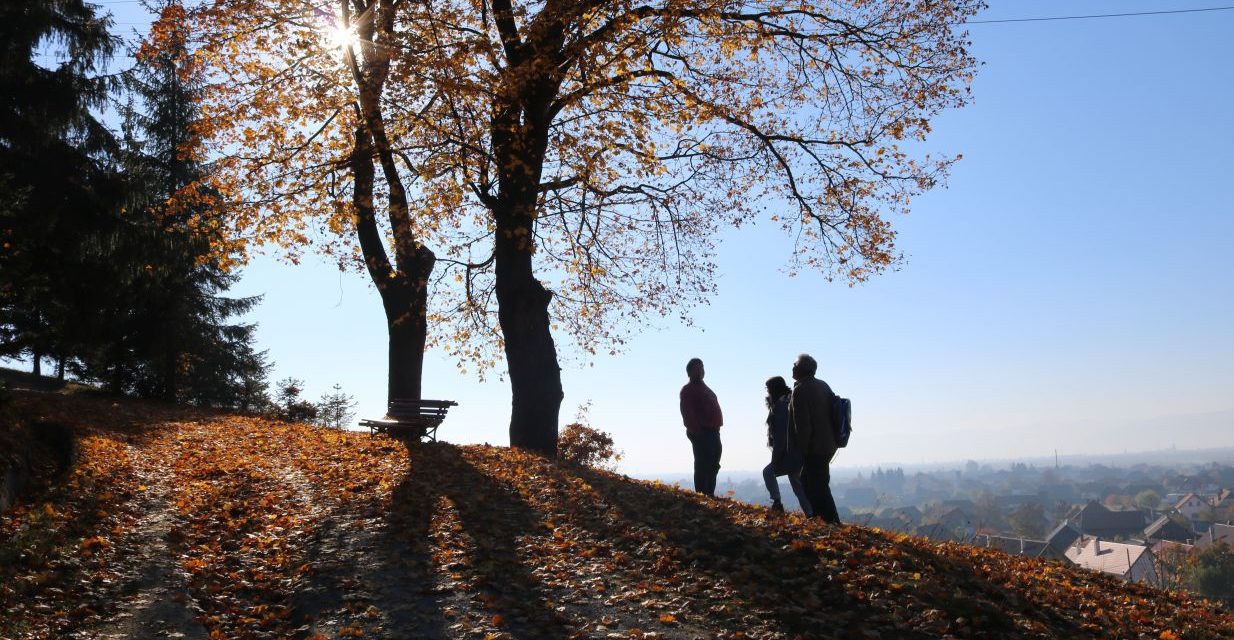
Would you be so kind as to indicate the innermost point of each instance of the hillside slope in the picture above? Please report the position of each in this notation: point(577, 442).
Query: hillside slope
point(176, 523)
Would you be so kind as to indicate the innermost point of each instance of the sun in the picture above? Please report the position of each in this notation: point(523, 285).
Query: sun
point(340, 37)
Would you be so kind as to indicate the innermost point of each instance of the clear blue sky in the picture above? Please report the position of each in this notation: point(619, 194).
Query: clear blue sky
point(1072, 288)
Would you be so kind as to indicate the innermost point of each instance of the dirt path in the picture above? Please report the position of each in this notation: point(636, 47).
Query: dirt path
point(201, 526)
point(151, 596)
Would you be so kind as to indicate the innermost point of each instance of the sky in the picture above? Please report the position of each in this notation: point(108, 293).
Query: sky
point(1070, 290)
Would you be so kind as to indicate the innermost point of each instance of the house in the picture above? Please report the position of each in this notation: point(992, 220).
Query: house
point(1225, 498)
point(947, 524)
point(1057, 541)
point(1164, 528)
point(888, 524)
point(897, 519)
point(1216, 533)
point(1093, 519)
point(1131, 562)
point(910, 513)
point(1192, 505)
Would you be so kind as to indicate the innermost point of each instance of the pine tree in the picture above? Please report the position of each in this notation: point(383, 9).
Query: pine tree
point(336, 408)
point(57, 175)
point(172, 320)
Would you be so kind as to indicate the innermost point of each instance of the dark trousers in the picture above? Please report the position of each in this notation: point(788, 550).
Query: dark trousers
point(707, 449)
point(816, 476)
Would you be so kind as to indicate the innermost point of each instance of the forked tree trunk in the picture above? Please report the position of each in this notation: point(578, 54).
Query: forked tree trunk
point(404, 291)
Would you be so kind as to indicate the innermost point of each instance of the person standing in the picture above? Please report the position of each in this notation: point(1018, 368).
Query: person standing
point(700, 411)
point(782, 462)
point(811, 435)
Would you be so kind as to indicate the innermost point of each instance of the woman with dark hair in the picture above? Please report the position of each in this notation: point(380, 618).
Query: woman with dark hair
point(782, 463)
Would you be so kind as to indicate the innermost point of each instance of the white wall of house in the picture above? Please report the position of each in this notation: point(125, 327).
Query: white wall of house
point(1194, 506)
point(1144, 570)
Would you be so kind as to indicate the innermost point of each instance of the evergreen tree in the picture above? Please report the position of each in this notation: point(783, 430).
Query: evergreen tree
point(56, 175)
point(336, 408)
point(288, 403)
point(174, 339)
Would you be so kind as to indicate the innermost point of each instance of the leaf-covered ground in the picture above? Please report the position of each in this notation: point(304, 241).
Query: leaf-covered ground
point(185, 524)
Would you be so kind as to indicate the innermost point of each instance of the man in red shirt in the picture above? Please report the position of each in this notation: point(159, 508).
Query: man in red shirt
point(700, 411)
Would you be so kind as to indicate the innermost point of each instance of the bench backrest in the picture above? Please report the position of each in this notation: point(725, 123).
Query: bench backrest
point(422, 408)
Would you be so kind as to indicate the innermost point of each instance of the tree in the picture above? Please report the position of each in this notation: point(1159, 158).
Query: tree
point(186, 348)
point(293, 118)
point(336, 408)
point(288, 404)
point(1028, 521)
point(1172, 562)
point(583, 444)
point(1148, 499)
point(988, 514)
point(1210, 572)
point(591, 146)
point(55, 175)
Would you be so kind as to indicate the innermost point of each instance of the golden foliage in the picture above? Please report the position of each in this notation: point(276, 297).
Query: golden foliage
point(613, 139)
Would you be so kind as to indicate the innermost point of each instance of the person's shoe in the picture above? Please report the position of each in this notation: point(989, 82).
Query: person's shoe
point(777, 506)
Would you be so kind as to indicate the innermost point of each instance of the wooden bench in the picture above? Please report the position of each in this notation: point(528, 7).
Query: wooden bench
point(411, 419)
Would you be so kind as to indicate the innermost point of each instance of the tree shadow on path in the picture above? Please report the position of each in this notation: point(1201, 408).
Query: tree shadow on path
point(491, 517)
point(803, 595)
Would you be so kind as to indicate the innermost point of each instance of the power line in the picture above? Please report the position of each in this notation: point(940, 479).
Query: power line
point(1100, 15)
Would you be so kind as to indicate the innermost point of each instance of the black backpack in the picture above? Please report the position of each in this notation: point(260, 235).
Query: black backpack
point(842, 420)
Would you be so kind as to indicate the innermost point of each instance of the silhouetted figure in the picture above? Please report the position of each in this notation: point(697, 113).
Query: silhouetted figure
point(700, 411)
point(811, 436)
point(783, 463)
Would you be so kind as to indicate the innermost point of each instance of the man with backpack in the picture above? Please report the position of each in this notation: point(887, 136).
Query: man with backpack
point(811, 435)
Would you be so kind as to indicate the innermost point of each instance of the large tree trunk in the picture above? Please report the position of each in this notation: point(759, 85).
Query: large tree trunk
point(535, 376)
point(522, 302)
point(408, 331)
point(37, 369)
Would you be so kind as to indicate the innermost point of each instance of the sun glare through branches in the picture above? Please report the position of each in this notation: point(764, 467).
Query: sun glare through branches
point(337, 36)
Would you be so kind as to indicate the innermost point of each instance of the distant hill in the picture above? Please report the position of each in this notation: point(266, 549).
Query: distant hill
point(181, 523)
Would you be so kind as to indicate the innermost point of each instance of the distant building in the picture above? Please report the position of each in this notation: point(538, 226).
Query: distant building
point(1130, 562)
point(1093, 519)
point(1216, 533)
point(947, 524)
point(1225, 498)
point(1164, 528)
point(1192, 505)
point(1059, 539)
point(910, 514)
point(887, 524)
